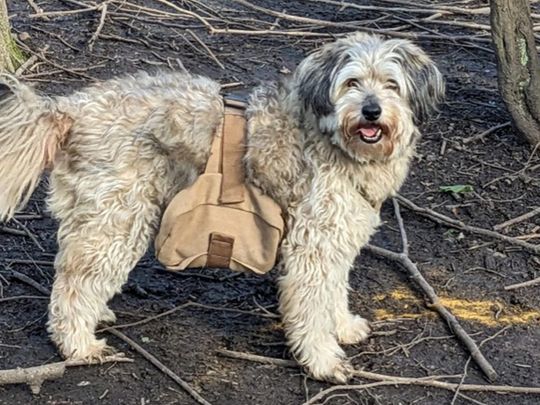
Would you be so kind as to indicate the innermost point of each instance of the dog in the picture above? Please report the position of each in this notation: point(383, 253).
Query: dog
point(329, 144)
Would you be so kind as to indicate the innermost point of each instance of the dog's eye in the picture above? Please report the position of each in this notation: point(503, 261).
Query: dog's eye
point(353, 83)
point(392, 85)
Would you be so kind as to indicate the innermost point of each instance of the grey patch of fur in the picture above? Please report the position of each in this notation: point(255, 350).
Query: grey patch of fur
point(314, 78)
point(425, 82)
point(4, 90)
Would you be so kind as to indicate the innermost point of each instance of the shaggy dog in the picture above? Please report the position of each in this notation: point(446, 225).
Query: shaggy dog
point(329, 144)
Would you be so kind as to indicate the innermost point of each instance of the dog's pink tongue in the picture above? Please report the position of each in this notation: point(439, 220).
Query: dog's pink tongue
point(369, 132)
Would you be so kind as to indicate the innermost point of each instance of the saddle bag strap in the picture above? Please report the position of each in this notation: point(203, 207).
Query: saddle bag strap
point(227, 152)
point(234, 149)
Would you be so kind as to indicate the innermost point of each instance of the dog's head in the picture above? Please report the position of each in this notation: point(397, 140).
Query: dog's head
point(369, 94)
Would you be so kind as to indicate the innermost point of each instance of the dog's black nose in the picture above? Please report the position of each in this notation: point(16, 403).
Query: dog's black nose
point(371, 111)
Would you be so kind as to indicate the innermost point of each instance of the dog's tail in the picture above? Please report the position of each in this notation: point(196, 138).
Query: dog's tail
point(31, 131)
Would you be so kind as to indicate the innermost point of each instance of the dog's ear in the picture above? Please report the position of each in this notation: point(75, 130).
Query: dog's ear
point(5, 90)
point(315, 75)
point(425, 84)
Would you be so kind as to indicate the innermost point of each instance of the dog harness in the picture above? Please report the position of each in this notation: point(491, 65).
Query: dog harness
point(220, 220)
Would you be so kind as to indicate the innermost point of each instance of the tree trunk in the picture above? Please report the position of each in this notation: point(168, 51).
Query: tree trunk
point(518, 64)
point(10, 56)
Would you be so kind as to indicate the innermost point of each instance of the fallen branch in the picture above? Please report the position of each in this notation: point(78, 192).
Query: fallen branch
point(64, 12)
point(35, 376)
point(37, 9)
point(465, 369)
point(424, 382)
point(529, 283)
point(32, 237)
point(159, 365)
point(187, 305)
point(258, 359)
point(41, 57)
point(404, 260)
point(383, 379)
point(517, 220)
point(345, 5)
point(487, 132)
point(325, 23)
point(23, 297)
point(103, 7)
point(454, 223)
point(31, 282)
point(206, 48)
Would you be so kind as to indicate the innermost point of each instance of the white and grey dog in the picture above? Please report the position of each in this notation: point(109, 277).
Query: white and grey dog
point(329, 144)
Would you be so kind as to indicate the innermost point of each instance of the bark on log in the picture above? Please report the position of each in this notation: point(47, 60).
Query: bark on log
point(10, 55)
point(518, 64)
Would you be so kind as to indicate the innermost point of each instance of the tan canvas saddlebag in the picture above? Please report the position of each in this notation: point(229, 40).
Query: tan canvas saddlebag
point(220, 221)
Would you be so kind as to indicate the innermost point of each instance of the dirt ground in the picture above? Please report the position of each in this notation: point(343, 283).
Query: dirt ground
point(468, 271)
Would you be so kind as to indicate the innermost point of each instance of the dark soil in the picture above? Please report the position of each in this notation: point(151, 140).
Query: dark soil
point(502, 170)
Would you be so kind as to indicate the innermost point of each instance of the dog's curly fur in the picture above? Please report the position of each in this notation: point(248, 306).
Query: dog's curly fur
point(120, 150)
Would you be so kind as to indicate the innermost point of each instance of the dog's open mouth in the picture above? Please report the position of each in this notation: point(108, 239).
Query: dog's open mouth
point(369, 133)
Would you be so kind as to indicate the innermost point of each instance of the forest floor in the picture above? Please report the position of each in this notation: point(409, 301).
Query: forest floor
point(237, 311)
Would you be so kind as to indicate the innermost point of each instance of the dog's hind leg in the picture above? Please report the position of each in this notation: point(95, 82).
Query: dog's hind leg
point(97, 252)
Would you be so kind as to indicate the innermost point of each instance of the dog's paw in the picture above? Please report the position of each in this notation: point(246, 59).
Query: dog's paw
point(95, 352)
point(336, 370)
point(107, 316)
point(354, 330)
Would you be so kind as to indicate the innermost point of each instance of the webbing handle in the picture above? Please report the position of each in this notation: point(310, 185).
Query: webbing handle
point(227, 152)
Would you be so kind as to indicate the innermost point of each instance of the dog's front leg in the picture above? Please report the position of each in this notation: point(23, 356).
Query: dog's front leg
point(316, 262)
point(312, 282)
point(317, 254)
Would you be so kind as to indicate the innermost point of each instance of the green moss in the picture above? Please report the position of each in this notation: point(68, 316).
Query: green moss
point(522, 49)
point(16, 56)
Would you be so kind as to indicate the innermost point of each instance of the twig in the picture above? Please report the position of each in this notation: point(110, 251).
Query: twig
point(158, 364)
point(35, 376)
point(233, 31)
point(56, 65)
point(186, 305)
point(454, 223)
point(423, 381)
point(95, 36)
point(466, 367)
point(344, 5)
point(12, 231)
point(29, 234)
point(28, 261)
point(427, 289)
point(516, 220)
point(31, 282)
point(403, 233)
point(37, 9)
point(23, 297)
point(58, 37)
point(436, 305)
point(430, 381)
point(186, 12)
point(29, 62)
point(351, 25)
point(206, 48)
point(258, 359)
point(529, 283)
point(24, 232)
point(64, 12)
point(442, 8)
point(482, 135)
